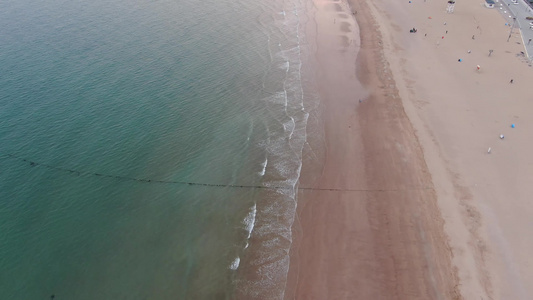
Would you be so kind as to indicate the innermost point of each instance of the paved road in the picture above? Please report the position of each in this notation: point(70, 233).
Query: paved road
point(520, 11)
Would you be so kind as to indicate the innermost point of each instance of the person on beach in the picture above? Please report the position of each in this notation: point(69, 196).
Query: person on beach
point(511, 81)
point(473, 37)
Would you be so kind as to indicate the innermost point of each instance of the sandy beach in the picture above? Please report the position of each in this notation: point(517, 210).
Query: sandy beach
point(409, 203)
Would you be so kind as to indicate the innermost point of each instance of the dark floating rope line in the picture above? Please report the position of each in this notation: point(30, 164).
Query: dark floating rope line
point(145, 180)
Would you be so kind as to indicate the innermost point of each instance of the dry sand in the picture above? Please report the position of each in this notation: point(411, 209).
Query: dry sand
point(411, 205)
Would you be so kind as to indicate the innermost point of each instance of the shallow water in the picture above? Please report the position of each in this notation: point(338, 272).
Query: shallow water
point(94, 95)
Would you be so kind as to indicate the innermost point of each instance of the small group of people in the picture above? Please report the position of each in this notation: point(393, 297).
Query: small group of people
point(412, 30)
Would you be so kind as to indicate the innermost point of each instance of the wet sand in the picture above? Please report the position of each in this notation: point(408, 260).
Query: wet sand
point(377, 233)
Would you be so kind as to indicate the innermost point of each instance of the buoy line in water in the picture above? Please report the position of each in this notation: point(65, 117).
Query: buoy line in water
point(146, 180)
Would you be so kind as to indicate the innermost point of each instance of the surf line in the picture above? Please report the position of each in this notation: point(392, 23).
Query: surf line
point(32, 163)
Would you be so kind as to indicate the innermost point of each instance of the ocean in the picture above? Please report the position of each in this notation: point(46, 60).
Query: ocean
point(151, 149)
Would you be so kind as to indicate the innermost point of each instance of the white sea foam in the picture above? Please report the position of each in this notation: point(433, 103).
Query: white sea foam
point(289, 126)
point(235, 264)
point(286, 126)
point(249, 223)
point(277, 98)
point(264, 165)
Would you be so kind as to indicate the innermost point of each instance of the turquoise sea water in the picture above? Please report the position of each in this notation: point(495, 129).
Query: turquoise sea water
point(95, 94)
